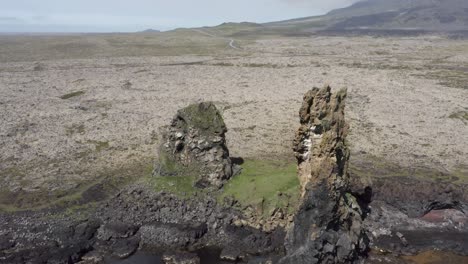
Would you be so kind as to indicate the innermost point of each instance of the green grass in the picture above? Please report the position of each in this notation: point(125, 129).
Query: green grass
point(182, 186)
point(265, 185)
point(71, 95)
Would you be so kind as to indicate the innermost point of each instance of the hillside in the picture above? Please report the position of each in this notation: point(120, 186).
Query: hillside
point(431, 15)
point(404, 16)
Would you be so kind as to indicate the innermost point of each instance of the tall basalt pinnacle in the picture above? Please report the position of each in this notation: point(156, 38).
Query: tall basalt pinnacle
point(328, 225)
point(319, 145)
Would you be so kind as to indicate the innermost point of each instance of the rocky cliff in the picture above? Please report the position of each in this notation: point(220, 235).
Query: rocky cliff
point(328, 226)
point(195, 145)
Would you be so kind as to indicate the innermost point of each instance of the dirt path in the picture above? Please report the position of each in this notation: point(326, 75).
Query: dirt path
point(231, 41)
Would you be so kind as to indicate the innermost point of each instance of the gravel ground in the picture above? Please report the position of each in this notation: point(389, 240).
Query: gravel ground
point(65, 123)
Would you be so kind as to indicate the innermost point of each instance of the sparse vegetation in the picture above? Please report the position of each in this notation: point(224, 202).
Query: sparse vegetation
point(260, 65)
point(182, 186)
point(376, 167)
point(75, 129)
point(71, 95)
point(83, 196)
point(100, 145)
point(257, 88)
point(449, 77)
point(462, 115)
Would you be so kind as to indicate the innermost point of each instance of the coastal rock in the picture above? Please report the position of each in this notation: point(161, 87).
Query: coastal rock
point(195, 145)
point(181, 258)
point(328, 226)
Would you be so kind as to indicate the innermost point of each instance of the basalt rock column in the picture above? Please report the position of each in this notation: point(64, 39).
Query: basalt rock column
point(195, 145)
point(328, 225)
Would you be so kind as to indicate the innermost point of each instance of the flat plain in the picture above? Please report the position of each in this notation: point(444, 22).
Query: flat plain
point(82, 110)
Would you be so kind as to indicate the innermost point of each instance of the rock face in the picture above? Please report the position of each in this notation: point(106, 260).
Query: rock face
point(328, 226)
point(195, 145)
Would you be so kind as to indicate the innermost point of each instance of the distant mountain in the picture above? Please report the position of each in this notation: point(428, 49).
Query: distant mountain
point(150, 30)
point(423, 15)
point(382, 17)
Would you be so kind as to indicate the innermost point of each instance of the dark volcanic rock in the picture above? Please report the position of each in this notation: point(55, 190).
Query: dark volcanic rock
point(169, 222)
point(328, 226)
point(181, 258)
point(400, 193)
point(42, 240)
point(194, 144)
point(135, 218)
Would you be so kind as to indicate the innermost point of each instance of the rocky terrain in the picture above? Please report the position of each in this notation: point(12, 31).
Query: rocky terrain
point(332, 224)
point(81, 118)
point(139, 218)
point(136, 218)
point(407, 116)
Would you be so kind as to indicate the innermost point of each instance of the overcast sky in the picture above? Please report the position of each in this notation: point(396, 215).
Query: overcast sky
point(136, 15)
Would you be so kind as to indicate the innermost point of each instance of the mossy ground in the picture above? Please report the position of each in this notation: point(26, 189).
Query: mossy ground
point(181, 183)
point(87, 193)
point(182, 186)
point(265, 185)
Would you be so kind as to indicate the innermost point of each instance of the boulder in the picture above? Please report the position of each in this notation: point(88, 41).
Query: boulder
point(328, 225)
point(195, 145)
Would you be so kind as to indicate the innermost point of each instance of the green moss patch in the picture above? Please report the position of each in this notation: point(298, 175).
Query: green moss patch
point(182, 186)
point(204, 116)
point(265, 185)
point(167, 166)
point(71, 95)
point(172, 177)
